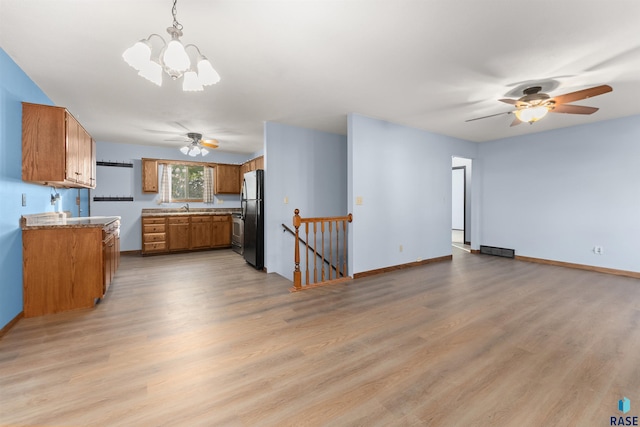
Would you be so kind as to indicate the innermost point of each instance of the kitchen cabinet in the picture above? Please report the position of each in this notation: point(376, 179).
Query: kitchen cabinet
point(178, 233)
point(154, 235)
point(184, 232)
point(259, 163)
point(56, 150)
point(221, 231)
point(227, 179)
point(66, 267)
point(149, 175)
point(110, 254)
point(201, 236)
point(251, 165)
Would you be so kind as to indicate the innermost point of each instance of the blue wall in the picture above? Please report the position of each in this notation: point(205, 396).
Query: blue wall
point(557, 194)
point(403, 176)
point(16, 87)
point(309, 168)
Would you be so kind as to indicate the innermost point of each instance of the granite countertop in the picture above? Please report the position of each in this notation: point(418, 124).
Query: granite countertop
point(192, 211)
point(63, 220)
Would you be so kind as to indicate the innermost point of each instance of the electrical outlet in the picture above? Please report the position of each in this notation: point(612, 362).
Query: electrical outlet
point(220, 201)
point(419, 259)
point(24, 199)
point(286, 200)
point(598, 250)
point(400, 248)
point(359, 200)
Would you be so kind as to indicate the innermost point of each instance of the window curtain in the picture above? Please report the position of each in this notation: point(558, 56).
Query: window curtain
point(207, 196)
point(165, 184)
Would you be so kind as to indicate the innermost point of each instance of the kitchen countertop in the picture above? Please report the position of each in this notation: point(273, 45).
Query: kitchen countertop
point(63, 220)
point(192, 211)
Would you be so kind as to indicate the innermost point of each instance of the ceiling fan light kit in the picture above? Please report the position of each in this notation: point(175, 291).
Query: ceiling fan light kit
point(534, 105)
point(197, 145)
point(173, 59)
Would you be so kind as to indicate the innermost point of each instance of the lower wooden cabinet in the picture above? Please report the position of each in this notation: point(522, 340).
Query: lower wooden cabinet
point(200, 230)
point(221, 231)
point(179, 233)
point(67, 268)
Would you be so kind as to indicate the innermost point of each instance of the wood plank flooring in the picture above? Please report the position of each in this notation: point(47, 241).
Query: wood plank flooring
point(202, 339)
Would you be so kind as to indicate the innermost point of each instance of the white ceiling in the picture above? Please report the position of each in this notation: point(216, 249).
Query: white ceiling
point(429, 64)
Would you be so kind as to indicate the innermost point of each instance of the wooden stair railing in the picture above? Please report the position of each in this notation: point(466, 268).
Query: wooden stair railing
point(312, 249)
point(322, 226)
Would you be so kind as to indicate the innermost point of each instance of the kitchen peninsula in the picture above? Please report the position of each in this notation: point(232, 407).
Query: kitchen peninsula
point(179, 230)
point(68, 263)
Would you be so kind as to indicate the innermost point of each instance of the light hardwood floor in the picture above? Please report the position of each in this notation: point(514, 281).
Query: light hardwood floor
point(201, 339)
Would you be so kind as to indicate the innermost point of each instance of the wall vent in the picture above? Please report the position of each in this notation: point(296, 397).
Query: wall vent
point(503, 252)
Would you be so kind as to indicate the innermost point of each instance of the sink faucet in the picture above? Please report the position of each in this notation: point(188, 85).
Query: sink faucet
point(186, 207)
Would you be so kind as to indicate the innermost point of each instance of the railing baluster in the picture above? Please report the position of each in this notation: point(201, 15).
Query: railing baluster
point(337, 249)
point(322, 231)
point(296, 272)
point(315, 252)
point(330, 248)
point(306, 227)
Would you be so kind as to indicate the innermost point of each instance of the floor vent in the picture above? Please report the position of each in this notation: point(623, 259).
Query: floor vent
point(490, 250)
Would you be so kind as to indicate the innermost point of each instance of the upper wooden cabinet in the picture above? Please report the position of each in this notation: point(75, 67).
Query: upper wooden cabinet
point(227, 179)
point(251, 165)
point(259, 162)
point(56, 150)
point(149, 175)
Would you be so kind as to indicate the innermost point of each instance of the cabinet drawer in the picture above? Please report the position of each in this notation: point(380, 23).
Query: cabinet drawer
point(200, 219)
point(222, 218)
point(154, 237)
point(159, 220)
point(154, 246)
point(153, 228)
point(179, 220)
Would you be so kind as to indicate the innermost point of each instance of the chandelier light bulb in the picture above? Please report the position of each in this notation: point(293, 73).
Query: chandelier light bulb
point(191, 82)
point(175, 57)
point(204, 151)
point(208, 76)
point(185, 149)
point(138, 55)
point(152, 71)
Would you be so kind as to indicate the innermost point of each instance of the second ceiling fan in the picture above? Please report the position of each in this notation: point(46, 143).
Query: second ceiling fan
point(534, 104)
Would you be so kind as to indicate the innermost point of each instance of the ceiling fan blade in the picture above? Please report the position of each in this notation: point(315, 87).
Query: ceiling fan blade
point(573, 109)
point(509, 101)
point(486, 117)
point(210, 143)
point(516, 121)
point(582, 94)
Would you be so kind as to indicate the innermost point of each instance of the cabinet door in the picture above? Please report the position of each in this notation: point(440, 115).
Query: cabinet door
point(260, 162)
point(222, 231)
point(227, 179)
point(84, 158)
point(149, 176)
point(73, 149)
point(201, 236)
point(178, 234)
point(44, 132)
point(107, 266)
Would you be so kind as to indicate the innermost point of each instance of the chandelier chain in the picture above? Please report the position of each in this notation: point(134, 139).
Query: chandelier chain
point(174, 12)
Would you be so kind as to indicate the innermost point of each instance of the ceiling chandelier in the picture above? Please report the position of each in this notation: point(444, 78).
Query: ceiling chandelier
point(173, 59)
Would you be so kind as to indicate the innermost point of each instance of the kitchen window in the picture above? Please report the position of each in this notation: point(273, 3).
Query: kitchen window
point(187, 183)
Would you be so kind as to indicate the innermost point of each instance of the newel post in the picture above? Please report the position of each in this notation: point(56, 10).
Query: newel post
point(297, 276)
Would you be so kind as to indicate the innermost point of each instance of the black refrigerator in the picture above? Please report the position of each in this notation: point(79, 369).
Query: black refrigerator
point(253, 216)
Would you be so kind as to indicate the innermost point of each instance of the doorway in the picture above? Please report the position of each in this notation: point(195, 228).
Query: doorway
point(461, 203)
